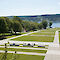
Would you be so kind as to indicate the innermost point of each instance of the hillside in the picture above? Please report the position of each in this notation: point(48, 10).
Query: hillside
point(38, 18)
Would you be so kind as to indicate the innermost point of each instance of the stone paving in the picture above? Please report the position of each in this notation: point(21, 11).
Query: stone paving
point(53, 52)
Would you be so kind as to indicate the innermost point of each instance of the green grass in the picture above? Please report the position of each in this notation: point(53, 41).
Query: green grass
point(48, 38)
point(24, 50)
point(16, 35)
point(59, 36)
point(40, 33)
point(50, 30)
point(5, 33)
point(22, 57)
point(12, 35)
point(35, 38)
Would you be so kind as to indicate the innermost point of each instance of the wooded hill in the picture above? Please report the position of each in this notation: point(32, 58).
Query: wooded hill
point(38, 18)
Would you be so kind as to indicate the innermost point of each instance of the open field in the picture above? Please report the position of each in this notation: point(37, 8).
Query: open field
point(22, 57)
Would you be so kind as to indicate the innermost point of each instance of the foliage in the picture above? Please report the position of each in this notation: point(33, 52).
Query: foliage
point(40, 26)
point(50, 24)
point(45, 24)
point(3, 25)
point(17, 27)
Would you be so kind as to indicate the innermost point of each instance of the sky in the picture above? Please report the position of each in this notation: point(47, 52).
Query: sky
point(29, 7)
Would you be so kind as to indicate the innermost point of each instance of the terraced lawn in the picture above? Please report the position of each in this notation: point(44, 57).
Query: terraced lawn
point(43, 33)
point(59, 36)
point(12, 35)
point(22, 57)
point(48, 36)
point(24, 50)
point(16, 35)
point(35, 38)
point(50, 30)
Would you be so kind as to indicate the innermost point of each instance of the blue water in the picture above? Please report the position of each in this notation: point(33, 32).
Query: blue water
point(56, 25)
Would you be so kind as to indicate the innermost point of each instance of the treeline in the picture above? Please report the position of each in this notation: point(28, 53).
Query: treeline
point(18, 25)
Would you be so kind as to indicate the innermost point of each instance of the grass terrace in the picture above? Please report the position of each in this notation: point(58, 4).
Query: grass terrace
point(44, 33)
point(22, 57)
point(9, 35)
point(59, 36)
point(24, 50)
point(35, 38)
point(49, 38)
point(50, 30)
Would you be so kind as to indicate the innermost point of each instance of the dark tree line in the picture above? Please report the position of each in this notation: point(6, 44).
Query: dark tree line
point(18, 25)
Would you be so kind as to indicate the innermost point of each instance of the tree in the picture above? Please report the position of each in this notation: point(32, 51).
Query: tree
point(40, 26)
point(33, 26)
point(3, 25)
point(26, 25)
point(44, 23)
point(9, 23)
point(17, 18)
point(17, 27)
point(50, 24)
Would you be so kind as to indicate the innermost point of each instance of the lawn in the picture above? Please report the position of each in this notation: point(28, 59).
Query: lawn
point(49, 38)
point(50, 30)
point(22, 57)
point(35, 38)
point(43, 33)
point(16, 35)
point(7, 34)
point(59, 36)
point(24, 50)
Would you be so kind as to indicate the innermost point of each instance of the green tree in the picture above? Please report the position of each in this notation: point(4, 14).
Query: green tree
point(3, 25)
point(40, 26)
point(33, 26)
point(50, 24)
point(17, 27)
point(17, 18)
point(44, 23)
point(26, 25)
point(9, 23)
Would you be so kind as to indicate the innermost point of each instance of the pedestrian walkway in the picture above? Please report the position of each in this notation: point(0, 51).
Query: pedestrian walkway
point(53, 52)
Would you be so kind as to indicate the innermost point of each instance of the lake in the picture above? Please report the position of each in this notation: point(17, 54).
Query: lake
point(56, 25)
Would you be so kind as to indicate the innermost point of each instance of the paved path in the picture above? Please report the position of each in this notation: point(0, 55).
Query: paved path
point(53, 52)
point(24, 48)
point(28, 53)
